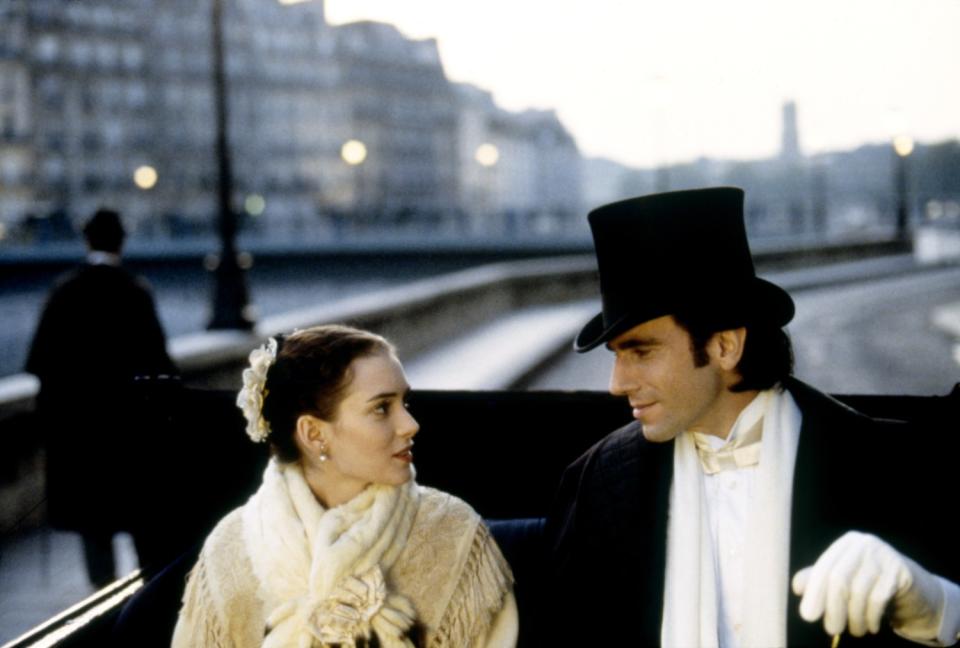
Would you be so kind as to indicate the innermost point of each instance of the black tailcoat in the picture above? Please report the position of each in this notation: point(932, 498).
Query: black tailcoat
point(607, 531)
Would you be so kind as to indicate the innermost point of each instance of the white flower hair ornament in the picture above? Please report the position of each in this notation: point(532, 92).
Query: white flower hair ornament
point(250, 398)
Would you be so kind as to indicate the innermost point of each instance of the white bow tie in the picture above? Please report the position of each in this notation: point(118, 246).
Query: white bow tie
point(743, 451)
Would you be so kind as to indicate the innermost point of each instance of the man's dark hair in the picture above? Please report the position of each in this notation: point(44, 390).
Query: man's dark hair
point(767, 353)
point(104, 231)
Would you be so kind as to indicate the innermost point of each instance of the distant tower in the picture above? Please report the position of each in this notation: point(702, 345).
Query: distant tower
point(790, 144)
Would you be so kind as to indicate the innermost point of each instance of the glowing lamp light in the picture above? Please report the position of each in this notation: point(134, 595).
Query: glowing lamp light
point(145, 177)
point(353, 152)
point(487, 155)
point(254, 204)
point(903, 145)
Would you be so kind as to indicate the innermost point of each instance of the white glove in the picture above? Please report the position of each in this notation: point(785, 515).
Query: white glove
point(854, 581)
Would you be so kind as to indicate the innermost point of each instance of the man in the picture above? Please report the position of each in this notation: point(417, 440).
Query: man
point(689, 526)
point(98, 332)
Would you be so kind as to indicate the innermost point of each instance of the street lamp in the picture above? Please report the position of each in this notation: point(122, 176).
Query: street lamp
point(230, 301)
point(354, 153)
point(903, 147)
point(145, 177)
point(254, 205)
point(487, 156)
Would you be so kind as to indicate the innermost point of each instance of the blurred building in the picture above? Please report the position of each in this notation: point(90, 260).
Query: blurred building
point(400, 107)
point(520, 172)
point(112, 103)
point(119, 87)
point(789, 133)
point(16, 151)
point(279, 71)
point(87, 102)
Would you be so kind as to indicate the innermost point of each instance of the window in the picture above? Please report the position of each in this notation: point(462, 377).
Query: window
point(46, 48)
point(172, 58)
point(92, 183)
point(81, 53)
point(11, 170)
point(132, 55)
point(90, 142)
point(103, 16)
point(107, 54)
point(53, 169)
point(136, 94)
point(50, 89)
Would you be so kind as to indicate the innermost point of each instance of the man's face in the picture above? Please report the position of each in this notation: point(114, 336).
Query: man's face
point(654, 368)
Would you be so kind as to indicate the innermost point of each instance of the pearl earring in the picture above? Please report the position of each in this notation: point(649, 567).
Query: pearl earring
point(323, 453)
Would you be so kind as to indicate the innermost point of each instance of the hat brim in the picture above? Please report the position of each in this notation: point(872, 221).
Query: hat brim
point(761, 301)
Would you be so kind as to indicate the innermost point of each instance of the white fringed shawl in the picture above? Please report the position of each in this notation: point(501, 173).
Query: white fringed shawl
point(321, 572)
point(450, 570)
point(690, 603)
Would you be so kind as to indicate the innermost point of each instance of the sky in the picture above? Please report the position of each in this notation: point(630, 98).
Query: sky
point(648, 83)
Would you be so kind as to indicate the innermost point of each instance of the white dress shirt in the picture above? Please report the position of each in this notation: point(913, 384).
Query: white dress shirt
point(729, 494)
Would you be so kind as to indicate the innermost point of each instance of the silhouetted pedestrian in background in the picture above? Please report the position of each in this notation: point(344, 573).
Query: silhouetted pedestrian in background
point(98, 332)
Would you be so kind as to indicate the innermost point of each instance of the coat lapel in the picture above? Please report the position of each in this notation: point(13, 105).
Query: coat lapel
point(826, 502)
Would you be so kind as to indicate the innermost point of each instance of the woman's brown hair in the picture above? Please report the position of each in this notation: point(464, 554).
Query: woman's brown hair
point(310, 375)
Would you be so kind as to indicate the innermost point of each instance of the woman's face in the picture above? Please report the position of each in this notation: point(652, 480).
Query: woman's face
point(370, 439)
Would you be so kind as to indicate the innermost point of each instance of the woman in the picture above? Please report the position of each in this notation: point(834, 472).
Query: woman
point(340, 546)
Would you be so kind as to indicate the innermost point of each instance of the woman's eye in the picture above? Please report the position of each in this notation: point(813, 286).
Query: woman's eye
point(381, 408)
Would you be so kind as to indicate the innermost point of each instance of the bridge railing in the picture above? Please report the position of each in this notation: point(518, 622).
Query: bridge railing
point(415, 316)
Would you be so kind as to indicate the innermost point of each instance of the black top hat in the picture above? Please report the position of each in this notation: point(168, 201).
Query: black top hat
point(673, 252)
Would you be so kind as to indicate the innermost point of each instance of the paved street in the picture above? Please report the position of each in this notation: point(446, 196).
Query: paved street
point(878, 338)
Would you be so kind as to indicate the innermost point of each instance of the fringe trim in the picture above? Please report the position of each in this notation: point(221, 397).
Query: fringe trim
point(483, 585)
point(199, 614)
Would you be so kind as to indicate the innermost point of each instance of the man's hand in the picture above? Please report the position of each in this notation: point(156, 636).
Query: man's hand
point(855, 580)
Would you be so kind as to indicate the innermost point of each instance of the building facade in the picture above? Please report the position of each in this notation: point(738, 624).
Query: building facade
point(400, 107)
point(16, 149)
point(520, 172)
point(105, 103)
